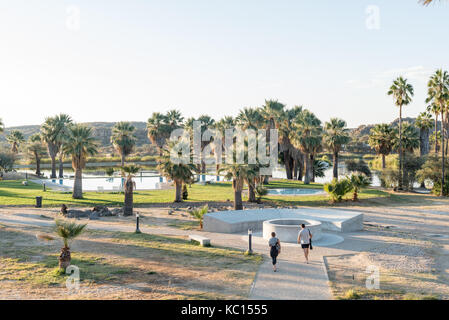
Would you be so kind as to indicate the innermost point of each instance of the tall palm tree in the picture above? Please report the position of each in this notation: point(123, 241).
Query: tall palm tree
point(424, 123)
point(123, 139)
point(335, 136)
point(307, 136)
point(238, 173)
point(37, 149)
point(435, 110)
point(54, 132)
point(67, 230)
point(181, 173)
point(438, 93)
point(79, 144)
point(129, 172)
point(174, 119)
point(409, 136)
point(402, 93)
point(62, 122)
point(249, 118)
point(15, 139)
point(289, 152)
point(381, 140)
point(158, 130)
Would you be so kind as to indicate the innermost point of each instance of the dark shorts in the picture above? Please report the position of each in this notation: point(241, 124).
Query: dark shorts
point(304, 246)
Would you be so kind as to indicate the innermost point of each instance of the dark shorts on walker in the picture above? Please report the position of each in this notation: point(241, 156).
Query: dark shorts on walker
point(305, 245)
point(274, 254)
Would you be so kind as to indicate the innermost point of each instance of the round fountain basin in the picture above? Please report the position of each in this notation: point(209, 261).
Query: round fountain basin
point(287, 229)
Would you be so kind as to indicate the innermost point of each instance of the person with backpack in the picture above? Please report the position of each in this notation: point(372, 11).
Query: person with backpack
point(305, 239)
point(275, 248)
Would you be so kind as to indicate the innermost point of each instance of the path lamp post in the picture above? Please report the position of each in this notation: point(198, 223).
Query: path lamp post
point(137, 223)
point(45, 189)
point(250, 242)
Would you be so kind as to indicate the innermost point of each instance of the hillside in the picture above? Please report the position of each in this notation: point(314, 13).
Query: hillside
point(102, 132)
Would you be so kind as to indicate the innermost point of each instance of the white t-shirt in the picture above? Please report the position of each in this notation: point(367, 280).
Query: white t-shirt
point(305, 236)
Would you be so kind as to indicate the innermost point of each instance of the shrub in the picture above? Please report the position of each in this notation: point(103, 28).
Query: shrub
point(185, 193)
point(7, 160)
point(337, 189)
point(358, 181)
point(431, 171)
point(199, 213)
point(358, 166)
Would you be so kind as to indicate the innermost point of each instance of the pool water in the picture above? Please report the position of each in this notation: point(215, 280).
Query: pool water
point(293, 192)
point(116, 183)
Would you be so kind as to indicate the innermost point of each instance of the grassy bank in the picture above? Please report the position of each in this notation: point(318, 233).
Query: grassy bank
point(13, 193)
point(120, 265)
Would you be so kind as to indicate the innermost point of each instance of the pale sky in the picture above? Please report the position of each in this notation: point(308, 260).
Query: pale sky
point(110, 60)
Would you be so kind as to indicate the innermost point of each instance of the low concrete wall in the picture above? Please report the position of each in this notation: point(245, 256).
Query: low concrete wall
point(287, 230)
point(242, 220)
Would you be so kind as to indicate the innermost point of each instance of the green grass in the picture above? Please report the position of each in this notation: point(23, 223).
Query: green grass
point(13, 193)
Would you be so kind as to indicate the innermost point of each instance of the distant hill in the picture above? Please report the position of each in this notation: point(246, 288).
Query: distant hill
point(101, 131)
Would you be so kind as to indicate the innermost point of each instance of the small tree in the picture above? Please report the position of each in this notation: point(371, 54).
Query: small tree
point(199, 213)
point(129, 172)
point(185, 193)
point(67, 230)
point(358, 181)
point(6, 161)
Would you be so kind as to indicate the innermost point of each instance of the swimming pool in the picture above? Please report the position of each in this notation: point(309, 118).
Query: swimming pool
point(116, 183)
point(294, 192)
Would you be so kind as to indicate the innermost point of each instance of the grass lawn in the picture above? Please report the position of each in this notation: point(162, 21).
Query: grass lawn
point(13, 193)
point(119, 265)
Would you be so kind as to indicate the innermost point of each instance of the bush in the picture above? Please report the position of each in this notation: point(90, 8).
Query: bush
point(358, 166)
point(185, 193)
point(7, 160)
point(199, 213)
point(389, 178)
point(337, 189)
point(431, 172)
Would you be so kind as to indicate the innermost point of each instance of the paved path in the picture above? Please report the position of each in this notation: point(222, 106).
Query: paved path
point(295, 279)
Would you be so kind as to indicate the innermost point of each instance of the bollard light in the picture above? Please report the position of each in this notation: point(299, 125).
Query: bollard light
point(250, 240)
point(137, 223)
point(45, 189)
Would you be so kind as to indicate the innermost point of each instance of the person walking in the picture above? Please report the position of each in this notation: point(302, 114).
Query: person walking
point(275, 248)
point(304, 238)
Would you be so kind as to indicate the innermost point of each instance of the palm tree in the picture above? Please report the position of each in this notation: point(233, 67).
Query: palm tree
point(174, 119)
point(335, 136)
point(307, 136)
point(2, 126)
point(249, 118)
point(123, 139)
point(79, 145)
point(62, 123)
point(129, 172)
point(54, 132)
point(424, 122)
point(157, 130)
point(381, 139)
point(37, 149)
point(15, 139)
point(67, 230)
point(199, 214)
point(358, 181)
point(409, 136)
point(438, 93)
point(181, 173)
point(239, 173)
point(402, 93)
point(435, 110)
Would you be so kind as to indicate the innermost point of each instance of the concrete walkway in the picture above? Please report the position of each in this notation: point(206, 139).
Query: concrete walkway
point(295, 280)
